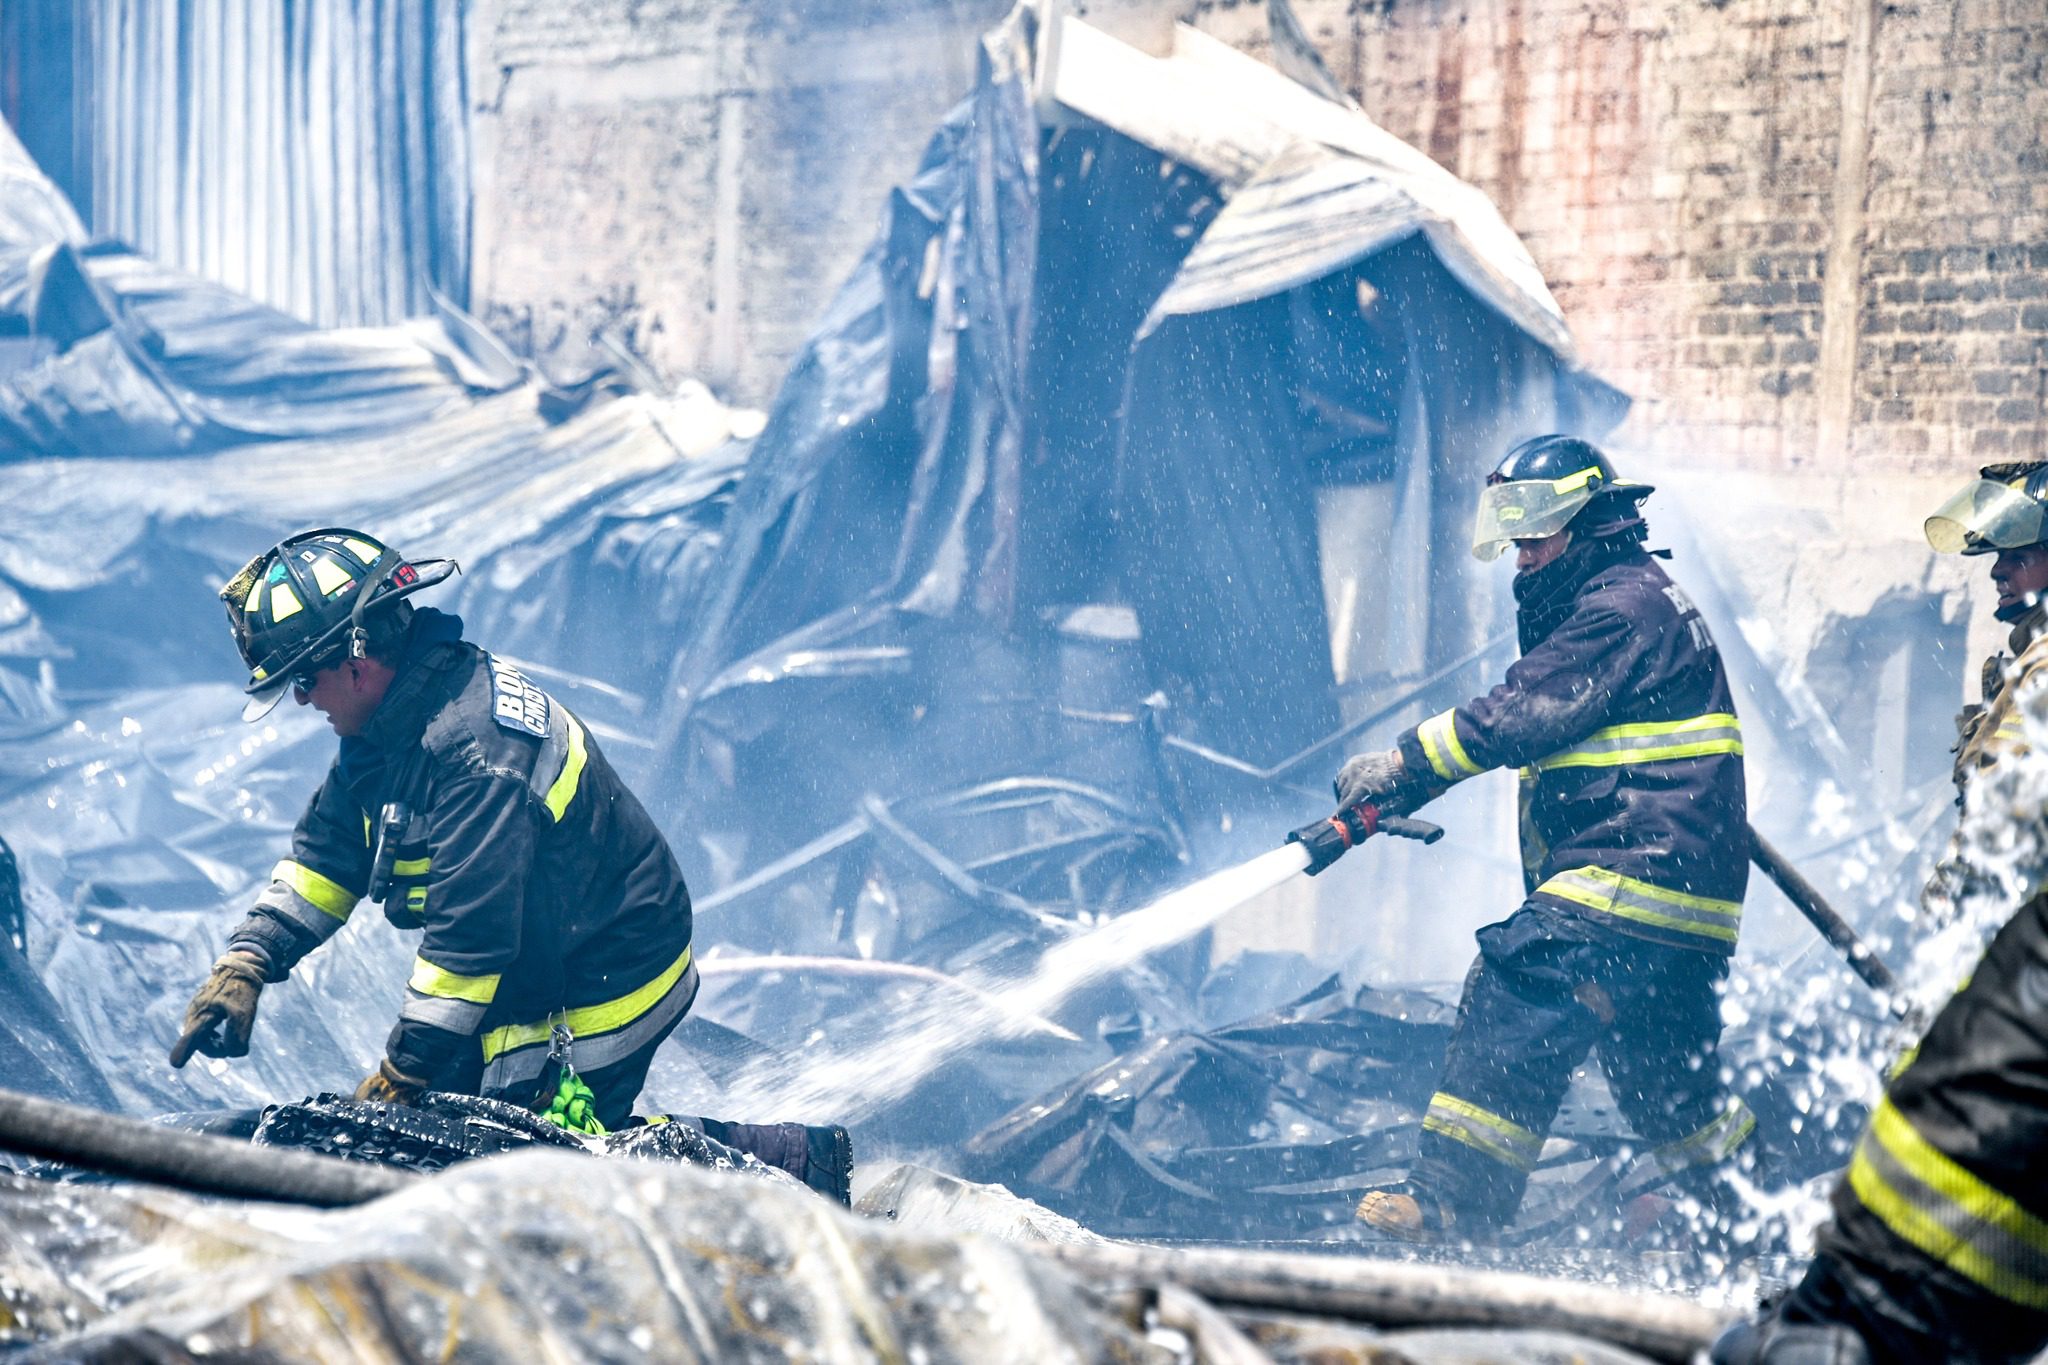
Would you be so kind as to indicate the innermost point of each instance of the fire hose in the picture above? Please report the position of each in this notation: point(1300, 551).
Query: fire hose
point(1328, 839)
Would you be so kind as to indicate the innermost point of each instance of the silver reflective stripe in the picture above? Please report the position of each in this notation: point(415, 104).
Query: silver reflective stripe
point(1670, 916)
point(522, 1067)
point(1714, 1143)
point(456, 1016)
point(1657, 741)
point(1501, 1138)
point(1930, 1201)
point(1445, 751)
point(554, 752)
point(286, 903)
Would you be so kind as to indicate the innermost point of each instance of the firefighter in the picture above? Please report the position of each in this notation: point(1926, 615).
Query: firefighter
point(1938, 1249)
point(555, 951)
point(1635, 852)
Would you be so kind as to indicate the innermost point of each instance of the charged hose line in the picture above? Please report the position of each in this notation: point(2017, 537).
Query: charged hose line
point(195, 1162)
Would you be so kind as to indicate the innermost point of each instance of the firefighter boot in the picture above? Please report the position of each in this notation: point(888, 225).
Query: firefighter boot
point(828, 1164)
point(1405, 1211)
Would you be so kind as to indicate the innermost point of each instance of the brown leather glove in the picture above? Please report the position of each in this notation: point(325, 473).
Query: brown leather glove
point(218, 1020)
point(390, 1086)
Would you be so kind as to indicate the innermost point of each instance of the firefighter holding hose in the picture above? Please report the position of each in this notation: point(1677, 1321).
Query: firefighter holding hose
point(1635, 852)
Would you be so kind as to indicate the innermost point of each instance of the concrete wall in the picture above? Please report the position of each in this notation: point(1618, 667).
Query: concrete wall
point(697, 175)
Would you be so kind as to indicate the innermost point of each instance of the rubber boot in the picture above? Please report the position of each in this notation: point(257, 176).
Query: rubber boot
point(828, 1167)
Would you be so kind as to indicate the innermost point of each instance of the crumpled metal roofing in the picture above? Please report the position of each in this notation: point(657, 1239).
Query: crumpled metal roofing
point(1310, 185)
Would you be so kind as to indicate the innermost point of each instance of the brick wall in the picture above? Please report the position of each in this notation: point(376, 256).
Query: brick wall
point(1679, 172)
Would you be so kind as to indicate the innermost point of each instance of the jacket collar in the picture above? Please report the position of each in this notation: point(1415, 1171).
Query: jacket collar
point(2028, 628)
point(433, 648)
point(1546, 597)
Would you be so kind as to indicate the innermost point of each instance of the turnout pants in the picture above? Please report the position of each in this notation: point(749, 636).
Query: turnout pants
point(1939, 1245)
point(1548, 989)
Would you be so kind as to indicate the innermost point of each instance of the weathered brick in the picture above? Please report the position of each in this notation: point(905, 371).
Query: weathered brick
point(1996, 383)
point(2019, 410)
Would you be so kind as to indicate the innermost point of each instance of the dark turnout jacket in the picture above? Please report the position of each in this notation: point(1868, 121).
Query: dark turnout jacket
point(1619, 716)
point(543, 890)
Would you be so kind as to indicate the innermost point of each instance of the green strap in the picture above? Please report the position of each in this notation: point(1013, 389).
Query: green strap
point(574, 1106)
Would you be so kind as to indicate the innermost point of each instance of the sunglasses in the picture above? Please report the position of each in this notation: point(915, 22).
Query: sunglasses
point(306, 679)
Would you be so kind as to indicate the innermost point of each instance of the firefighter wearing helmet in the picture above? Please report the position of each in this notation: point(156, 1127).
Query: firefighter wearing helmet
point(1635, 852)
point(480, 811)
point(554, 952)
point(1938, 1248)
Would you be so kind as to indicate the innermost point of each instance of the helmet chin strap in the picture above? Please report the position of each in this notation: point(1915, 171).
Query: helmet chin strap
point(2013, 614)
point(358, 634)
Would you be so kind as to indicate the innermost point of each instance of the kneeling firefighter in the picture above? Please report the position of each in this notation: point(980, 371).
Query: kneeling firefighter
point(555, 952)
point(1635, 851)
point(1938, 1249)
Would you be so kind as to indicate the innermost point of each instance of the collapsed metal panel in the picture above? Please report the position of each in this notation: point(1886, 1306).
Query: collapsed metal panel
point(314, 157)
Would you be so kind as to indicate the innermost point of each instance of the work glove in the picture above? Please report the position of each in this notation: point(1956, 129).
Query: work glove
point(389, 1085)
point(218, 1020)
point(1367, 776)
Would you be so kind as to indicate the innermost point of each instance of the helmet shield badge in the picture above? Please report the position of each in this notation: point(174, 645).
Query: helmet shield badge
point(1530, 509)
point(1988, 516)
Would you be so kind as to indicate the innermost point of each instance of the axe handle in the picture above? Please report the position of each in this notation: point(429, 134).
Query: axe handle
point(1820, 914)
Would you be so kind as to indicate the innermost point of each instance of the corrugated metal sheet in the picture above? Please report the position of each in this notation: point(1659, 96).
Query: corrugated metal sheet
point(312, 154)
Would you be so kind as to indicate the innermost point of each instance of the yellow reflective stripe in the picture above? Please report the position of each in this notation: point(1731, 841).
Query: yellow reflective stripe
point(411, 867)
point(1715, 1141)
point(1931, 1202)
point(283, 602)
point(1445, 752)
point(330, 577)
point(1716, 733)
point(1500, 1138)
point(1572, 483)
point(1613, 894)
point(608, 1017)
point(443, 984)
point(563, 790)
point(330, 897)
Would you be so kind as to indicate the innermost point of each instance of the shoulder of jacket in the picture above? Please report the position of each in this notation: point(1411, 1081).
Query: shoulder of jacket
point(2025, 676)
point(1641, 590)
point(494, 723)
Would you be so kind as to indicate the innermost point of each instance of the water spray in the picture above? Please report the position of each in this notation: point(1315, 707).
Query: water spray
point(916, 1040)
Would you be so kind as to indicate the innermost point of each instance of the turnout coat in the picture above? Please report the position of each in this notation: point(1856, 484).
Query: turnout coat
point(482, 813)
point(1620, 719)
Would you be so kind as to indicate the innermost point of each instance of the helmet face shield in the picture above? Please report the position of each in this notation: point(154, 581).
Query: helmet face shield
point(1986, 517)
point(1526, 509)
